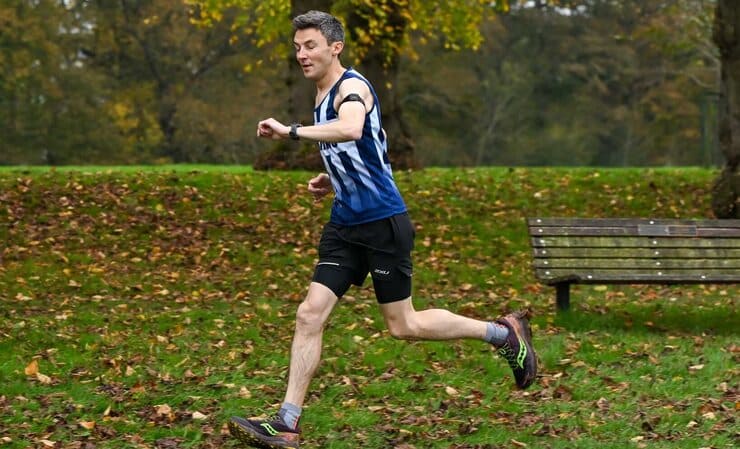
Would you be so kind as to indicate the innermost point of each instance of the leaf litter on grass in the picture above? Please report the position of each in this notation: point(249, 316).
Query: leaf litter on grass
point(137, 308)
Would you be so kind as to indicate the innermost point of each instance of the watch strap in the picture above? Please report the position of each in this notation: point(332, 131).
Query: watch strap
point(294, 131)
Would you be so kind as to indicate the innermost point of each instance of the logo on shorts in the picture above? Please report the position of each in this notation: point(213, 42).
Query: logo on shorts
point(383, 272)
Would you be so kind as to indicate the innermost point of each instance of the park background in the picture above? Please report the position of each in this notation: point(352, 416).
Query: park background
point(143, 304)
point(589, 83)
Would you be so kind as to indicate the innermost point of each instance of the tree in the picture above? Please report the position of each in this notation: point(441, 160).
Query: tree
point(605, 83)
point(727, 37)
point(49, 103)
point(162, 65)
point(580, 82)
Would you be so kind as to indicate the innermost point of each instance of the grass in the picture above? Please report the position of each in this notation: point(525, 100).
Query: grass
point(141, 307)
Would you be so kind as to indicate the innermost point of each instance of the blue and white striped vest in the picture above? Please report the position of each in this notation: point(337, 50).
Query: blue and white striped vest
point(360, 170)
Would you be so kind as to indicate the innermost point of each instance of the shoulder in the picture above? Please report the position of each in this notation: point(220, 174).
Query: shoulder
point(354, 85)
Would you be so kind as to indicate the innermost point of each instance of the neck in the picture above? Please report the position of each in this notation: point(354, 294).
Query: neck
point(331, 77)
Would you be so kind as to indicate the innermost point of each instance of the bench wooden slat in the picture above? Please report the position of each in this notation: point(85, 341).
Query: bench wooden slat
point(633, 242)
point(627, 264)
point(716, 232)
point(640, 230)
point(633, 251)
point(627, 272)
point(615, 277)
point(638, 253)
point(581, 222)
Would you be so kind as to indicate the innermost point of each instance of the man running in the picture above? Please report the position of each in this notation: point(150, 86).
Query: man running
point(369, 231)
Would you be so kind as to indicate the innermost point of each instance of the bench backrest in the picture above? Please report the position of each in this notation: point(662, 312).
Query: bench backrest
point(625, 250)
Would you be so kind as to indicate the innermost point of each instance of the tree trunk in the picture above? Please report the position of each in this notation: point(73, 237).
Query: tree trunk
point(384, 79)
point(727, 37)
point(381, 70)
point(166, 120)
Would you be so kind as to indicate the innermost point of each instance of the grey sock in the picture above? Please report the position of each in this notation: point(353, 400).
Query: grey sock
point(496, 334)
point(291, 414)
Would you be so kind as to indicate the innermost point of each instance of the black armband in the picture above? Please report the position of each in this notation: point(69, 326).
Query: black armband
point(352, 97)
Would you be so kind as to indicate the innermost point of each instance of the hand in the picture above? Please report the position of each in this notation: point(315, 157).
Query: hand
point(320, 186)
point(272, 129)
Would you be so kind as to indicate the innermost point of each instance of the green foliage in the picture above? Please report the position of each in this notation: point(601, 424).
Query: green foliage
point(478, 83)
point(456, 23)
point(263, 21)
point(144, 307)
point(601, 87)
point(49, 102)
point(122, 82)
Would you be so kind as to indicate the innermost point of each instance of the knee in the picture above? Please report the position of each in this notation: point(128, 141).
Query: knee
point(309, 318)
point(403, 329)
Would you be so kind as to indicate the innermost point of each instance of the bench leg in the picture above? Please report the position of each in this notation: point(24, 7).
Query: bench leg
point(563, 296)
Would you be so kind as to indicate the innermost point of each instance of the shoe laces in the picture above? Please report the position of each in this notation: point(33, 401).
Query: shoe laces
point(508, 354)
point(274, 418)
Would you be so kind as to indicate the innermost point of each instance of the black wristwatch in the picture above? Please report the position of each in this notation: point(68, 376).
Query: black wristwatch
point(294, 131)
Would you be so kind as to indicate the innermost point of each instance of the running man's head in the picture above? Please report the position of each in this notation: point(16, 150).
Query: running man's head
point(327, 24)
point(318, 42)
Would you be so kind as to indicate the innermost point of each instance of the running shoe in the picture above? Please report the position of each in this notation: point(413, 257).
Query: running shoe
point(518, 350)
point(272, 433)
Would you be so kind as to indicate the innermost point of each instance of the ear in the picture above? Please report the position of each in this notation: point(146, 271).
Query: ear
point(336, 48)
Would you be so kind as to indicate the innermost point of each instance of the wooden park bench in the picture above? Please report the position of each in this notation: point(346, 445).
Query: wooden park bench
point(633, 251)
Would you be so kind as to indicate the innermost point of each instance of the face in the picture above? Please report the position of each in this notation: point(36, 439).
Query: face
point(314, 54)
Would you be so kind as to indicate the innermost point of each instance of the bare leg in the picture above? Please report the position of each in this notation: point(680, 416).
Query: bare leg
point(433, 324)
point(305, 353)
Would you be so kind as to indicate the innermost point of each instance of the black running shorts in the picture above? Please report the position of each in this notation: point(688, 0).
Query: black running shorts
point(382, 248)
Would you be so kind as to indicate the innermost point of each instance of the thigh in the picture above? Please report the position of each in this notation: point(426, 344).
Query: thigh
point(341, 263)
point(392, 270)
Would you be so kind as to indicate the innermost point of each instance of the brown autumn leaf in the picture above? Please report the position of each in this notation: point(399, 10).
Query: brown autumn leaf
point(163, 409)
point(451, 391)
point(602, 404)
point(32, 368)
point(168, 443)
point(44, 379)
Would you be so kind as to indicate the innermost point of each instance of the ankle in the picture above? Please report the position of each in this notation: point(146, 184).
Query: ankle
point(290, 414)
point(496, 334)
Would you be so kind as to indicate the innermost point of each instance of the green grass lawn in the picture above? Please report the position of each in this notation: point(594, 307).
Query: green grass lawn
point(142, 307)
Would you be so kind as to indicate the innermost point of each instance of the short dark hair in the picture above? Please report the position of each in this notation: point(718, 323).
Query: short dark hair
point(328, 25)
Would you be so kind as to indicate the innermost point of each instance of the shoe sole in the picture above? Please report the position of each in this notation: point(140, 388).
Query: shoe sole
point(244, 435)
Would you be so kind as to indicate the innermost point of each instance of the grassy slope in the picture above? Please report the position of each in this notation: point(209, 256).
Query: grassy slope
point(156, 303)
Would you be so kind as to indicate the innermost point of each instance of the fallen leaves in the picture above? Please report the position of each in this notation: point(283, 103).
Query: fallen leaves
point(157, 292)
point(87, 425)
point(32, 370)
